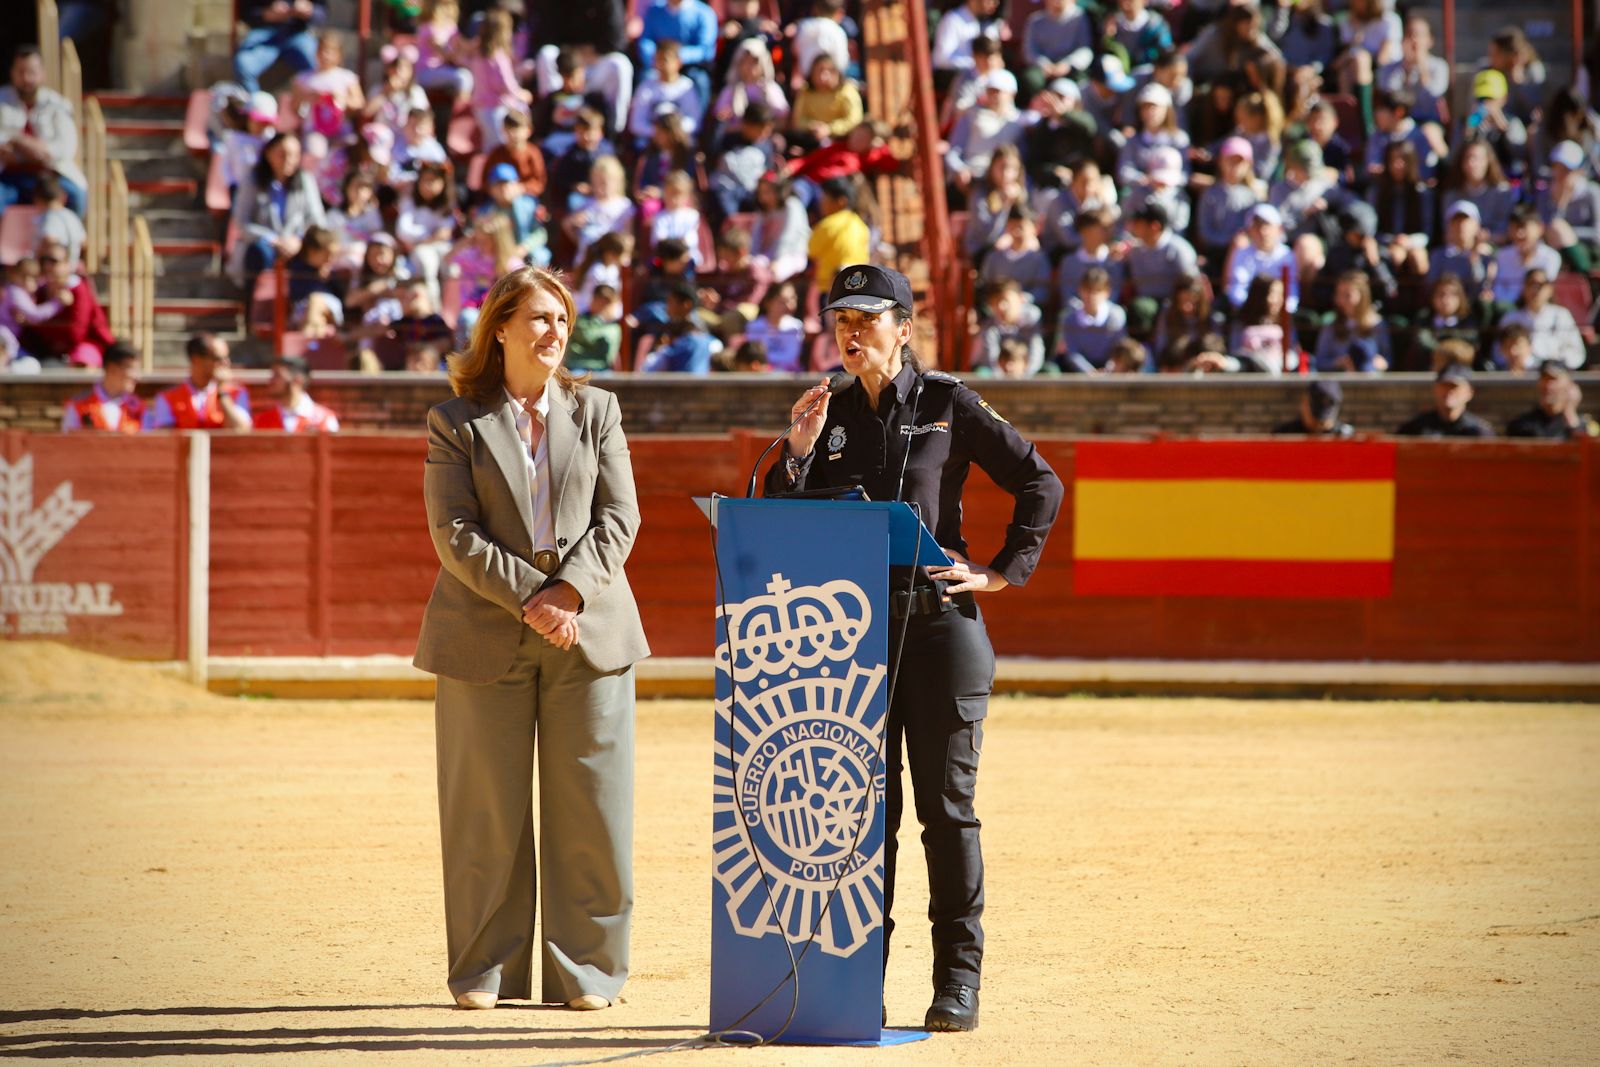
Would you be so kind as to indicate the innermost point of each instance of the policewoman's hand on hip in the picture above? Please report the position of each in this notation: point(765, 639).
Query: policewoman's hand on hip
point(967, 576)
point(803, 437)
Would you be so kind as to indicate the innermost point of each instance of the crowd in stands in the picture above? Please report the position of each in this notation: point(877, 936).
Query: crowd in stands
point(1222, 186)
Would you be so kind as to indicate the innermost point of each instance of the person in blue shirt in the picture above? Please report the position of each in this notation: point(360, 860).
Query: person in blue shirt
point(685, 345)
point(693, 25)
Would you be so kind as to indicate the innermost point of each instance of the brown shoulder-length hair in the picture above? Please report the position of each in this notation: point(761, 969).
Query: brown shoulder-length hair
point(480, 371)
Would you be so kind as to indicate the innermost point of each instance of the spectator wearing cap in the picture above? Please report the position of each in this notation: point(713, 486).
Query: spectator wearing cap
point(38, 135)
point(241, 148)
point(693, 24)
point(1018, 257)
point(1157, 128)
point(509, 199)
point(1225, 206)
point(1061, 138)
point(665, 86)
point(1108, 84)
point(291, 409)
point(1158, 260)
point(1306, 194)
point(1475, 177)
point(979, 132)
point(1057, 42)
point(1140, 33)
point(1461, 253)
point(1261, 252)
point(1569, 117)
point(275, 30)
point(1357, 250)
point(1449, 417)
point(1319, 413)
point(1418, 70)
point(1555, 416)
point(1570, 207)
point(1357, 340)
point(958, 28)
point(1526, 252)
point(1551, 327)
point(1170, 71)
point(1489, 121)
point(1163, 185)
point(967, 83)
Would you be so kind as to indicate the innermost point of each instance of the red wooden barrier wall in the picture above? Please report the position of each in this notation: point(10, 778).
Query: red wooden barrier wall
point(319, 546)
point(133, 539)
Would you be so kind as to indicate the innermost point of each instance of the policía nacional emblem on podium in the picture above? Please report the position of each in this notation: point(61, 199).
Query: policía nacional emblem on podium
point(799, 773)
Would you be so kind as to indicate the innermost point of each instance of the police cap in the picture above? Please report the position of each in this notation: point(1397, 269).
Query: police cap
point(863, 287)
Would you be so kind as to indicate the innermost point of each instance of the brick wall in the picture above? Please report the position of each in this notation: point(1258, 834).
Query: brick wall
point(666, 405)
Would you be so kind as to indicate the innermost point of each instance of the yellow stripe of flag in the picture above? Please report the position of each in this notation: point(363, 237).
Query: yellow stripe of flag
point(1233, 519)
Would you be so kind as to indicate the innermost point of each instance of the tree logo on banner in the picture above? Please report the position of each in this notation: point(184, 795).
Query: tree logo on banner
point(27, 534)
point(802, 779)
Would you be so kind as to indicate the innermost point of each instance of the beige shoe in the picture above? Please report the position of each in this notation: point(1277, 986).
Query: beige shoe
point(588, 1002)
point(477, 1000)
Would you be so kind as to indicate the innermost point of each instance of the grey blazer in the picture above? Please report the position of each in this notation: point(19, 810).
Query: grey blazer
point(480, 512)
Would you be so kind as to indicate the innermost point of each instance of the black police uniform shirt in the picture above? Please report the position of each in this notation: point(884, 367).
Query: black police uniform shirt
point(1429, 424)
point(1540, 423)
point(1295, 426)
point(949, 427)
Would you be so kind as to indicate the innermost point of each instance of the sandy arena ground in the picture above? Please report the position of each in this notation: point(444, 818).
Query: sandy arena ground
point(189, 879)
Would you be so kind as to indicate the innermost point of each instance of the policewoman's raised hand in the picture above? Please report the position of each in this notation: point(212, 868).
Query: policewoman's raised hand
point(967, 576)
point(803, 437)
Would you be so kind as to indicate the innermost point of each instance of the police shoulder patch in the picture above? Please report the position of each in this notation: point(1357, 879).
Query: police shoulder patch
point(940, 377)
point(993, 414)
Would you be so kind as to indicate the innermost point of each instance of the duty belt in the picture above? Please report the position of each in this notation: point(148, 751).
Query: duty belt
point(546, 560)
point(925, 600)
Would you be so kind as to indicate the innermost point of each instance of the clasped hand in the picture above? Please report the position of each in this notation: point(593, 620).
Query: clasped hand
point(968, 576)
point(553, 614)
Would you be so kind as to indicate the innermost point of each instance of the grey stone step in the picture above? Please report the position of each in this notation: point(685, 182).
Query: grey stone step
point(194, 285)
point(144, 166)
point(173, 224)
point(143, 202)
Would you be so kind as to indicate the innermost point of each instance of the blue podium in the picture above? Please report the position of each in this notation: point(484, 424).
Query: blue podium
point(798, 808)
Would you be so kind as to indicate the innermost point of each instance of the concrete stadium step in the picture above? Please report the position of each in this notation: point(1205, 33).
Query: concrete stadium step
point(187, 256)
point(197, 285)
point(156, 164)
point(187, 316)
point(131, 106)
point(174, 193)
point(172, 224)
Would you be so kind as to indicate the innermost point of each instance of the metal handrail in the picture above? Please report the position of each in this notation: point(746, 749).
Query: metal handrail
point(50, 43)
point(142, 313)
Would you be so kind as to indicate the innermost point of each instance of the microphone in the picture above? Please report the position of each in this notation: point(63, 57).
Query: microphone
point(836, 385)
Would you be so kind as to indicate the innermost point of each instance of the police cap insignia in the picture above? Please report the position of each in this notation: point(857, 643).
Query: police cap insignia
point(855, 281)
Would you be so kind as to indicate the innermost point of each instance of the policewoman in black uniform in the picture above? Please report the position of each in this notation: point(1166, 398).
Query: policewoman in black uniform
point(904, 433)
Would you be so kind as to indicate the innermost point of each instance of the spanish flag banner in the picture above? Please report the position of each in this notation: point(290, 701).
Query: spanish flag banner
point(1233, 518)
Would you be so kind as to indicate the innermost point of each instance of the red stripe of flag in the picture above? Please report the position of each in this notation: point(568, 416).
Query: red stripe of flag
point(1231, 578)
point(1292, 461)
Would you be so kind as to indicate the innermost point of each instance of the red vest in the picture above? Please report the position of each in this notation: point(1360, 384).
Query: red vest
point(92, 414)
point(270, 417)
point(187, 417)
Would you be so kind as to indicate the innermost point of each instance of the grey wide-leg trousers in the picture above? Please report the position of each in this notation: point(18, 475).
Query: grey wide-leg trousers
point(580, 724)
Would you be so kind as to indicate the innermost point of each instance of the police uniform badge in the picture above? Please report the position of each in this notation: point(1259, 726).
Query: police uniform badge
point(855, 281)
point(836, 442)
point(995, 415)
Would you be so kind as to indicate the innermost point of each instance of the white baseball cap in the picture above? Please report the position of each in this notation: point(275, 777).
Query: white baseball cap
point(1155, 93)
point(1001, 80)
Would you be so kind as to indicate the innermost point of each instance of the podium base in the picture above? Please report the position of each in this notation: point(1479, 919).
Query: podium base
point(886, 1038)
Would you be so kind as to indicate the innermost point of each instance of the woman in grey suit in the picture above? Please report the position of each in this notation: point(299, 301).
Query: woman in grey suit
point(533, 632)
